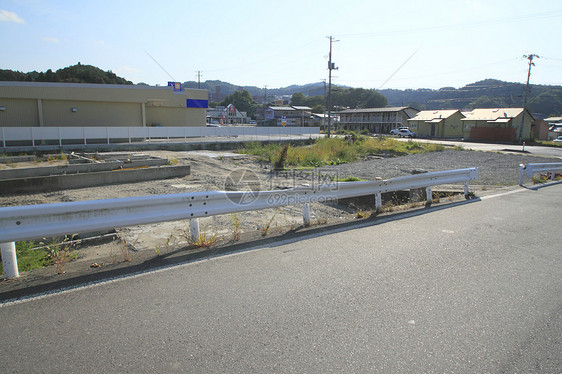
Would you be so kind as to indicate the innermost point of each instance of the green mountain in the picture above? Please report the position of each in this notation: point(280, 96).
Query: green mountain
point(72, 74)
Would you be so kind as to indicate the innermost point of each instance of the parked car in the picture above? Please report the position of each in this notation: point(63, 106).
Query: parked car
point(395, 131)
point(213, 125)
point(405, 132)
point(558, 139)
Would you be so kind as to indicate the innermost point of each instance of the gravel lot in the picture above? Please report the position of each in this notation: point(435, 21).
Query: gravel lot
point(494, 169)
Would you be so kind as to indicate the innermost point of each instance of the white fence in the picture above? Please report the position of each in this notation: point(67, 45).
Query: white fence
point(531, 169)
point(85, 135)
point(46, 220)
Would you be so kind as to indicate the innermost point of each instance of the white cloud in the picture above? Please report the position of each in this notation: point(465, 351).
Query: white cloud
point(98, 42)
point(51, 40)
point(6, 16)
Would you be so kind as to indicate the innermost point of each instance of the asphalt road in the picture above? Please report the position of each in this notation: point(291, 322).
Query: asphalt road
point(475, 288)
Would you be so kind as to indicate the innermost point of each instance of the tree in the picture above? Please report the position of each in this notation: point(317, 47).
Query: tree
point(488, 102)
point(358, 98)
point(318, 109)
point(243, 101)
point(298, 98)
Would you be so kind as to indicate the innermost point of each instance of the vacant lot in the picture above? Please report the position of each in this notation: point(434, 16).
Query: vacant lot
point(216, 170)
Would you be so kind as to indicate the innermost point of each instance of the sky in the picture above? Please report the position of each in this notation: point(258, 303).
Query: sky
point(377, 44)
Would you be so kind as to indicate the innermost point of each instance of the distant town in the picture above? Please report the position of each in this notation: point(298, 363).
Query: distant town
point(487, 110)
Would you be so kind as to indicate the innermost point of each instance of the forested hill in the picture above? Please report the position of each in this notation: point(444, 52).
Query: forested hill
point(72, 74)
point(543, 101)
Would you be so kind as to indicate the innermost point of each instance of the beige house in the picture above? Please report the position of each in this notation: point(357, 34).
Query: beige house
point(497, 124)
point(437, 123)
point(33, 104)
point(376, 120)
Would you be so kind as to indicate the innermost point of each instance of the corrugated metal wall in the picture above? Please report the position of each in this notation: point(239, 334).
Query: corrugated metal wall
point(19, 111)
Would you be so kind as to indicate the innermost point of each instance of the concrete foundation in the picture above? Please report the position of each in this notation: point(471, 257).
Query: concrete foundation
point(71, 181)
point(78, 168)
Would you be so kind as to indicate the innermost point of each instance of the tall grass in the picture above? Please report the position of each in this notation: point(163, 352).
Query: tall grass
point(333, 151)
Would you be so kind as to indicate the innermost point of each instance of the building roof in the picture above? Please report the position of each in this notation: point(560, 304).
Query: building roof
point(98, 92)
point(553, 119)
point(285, 108)
point(300, 107)
point(433, 116)
point(375, 110)
point(492, 114)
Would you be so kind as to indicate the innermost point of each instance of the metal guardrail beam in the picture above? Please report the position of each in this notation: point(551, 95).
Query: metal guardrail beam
point(531, 169)
point(47, 220)
point(37, 221)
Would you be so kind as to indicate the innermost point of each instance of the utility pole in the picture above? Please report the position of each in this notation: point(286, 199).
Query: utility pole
point(264, 103)
point(526, 93)
point(331, 66)
point(198, 79)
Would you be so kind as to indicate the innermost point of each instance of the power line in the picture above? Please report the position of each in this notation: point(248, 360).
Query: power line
point(396, 71)
point(161, 67)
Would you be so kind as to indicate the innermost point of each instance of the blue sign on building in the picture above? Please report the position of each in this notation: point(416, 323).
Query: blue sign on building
point(196, 103)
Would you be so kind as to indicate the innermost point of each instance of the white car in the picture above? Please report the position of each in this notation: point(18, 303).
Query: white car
point(395, 131)
point(558, 139)
point(404, 132)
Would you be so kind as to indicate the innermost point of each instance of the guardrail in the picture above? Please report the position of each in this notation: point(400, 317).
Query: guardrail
point(531, 169)
point(86, 135)
point(37, 221)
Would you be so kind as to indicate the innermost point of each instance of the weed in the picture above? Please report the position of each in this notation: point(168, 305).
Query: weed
point(236, 231)
point(203, 241)
point(362, 214)
point(266, 228)
point(280, 163)
point(348, 179)
point(334, 151)
point(173, 161)
point(30, 256)
point(112, 255)
point(321, 221)
point(60, 253)
point(127, 257)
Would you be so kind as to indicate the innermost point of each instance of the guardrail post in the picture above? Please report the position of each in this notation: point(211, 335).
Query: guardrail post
point(466, 190)
point(521, 168)
point(378, 201)
point(194, 229)
point(306, 214)
point(429, 195)
point(9, 260)
point(552, 174)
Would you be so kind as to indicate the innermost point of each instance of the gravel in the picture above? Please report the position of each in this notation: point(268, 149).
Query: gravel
point(494, 169)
